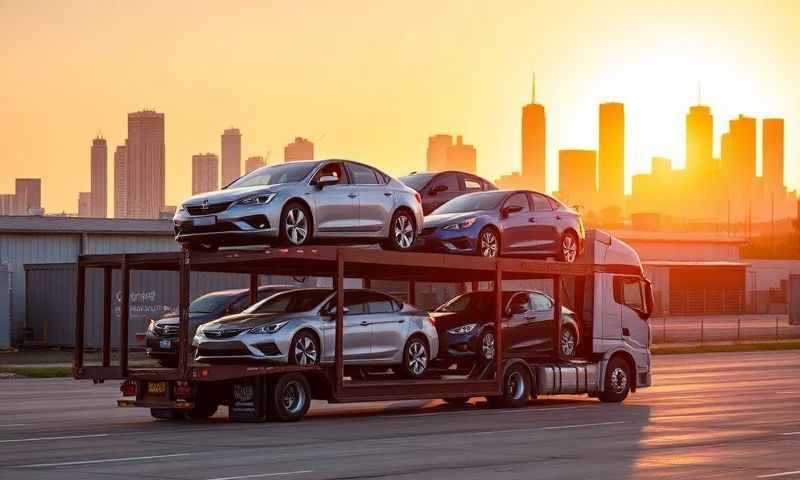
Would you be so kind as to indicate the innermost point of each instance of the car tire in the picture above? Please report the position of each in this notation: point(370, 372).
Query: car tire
point(416, 358)
point(568, 342)
point(487, 346)
point(516, 389)
point(488, 243)
point(402, 232)
point(289, 398)
point(616, 384)
point(304, 349)
point(203, 409)
point(568, 249)
point(296, 225)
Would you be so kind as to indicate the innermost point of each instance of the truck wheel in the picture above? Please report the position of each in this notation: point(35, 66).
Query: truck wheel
point(516, 389)
point(167, 413)
point(617, 381)
point(290, 398)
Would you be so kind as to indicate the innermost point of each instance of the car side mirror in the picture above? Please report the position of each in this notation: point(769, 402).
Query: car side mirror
point(437, 189)
point(332, 311)
point(327, 180)
point(506, 211)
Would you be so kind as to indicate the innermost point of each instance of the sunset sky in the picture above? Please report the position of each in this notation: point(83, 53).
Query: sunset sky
point(372, 80)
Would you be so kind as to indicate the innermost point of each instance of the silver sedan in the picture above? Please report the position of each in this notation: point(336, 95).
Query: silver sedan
point(298, 327)
point(296, 203)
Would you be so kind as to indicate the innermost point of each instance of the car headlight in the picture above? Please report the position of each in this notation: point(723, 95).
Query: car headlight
point(181, 208)
point(151, 325)
point(261, 199)
point(461, 226)
point(268, 329)
point(463, 329)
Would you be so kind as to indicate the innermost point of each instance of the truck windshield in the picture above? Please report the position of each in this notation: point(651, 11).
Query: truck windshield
point(472, 202)
point(287, 173)
point(294, 301)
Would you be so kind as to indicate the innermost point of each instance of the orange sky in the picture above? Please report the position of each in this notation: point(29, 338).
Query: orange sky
point(371, 80)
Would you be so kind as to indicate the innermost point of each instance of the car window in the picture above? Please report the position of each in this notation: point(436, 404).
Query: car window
point(356, 302)
point(540, 203)
point(239, 304)
point(449, 180)
point(472, 202)
point(518, 199)
point(273, 175)
point(554, 203)
point(520, 299)
point(210, 303)
point(362, 175)
point(293, 301)
point(379, 303)
point(331, 170)
point(472, 184)
point(262, 294)
point(417, 181)
point(540, 302)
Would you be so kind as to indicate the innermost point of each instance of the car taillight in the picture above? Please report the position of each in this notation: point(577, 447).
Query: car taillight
point(128, 388)
point(183, 390)
point(418, 197)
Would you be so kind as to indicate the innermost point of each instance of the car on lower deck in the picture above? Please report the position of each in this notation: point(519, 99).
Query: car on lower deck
point(161, 338)
point(466, 327)
point(298, 327)
point(438, 188)
point(504, 222)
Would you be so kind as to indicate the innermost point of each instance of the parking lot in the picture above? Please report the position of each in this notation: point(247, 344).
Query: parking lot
point(731, 415)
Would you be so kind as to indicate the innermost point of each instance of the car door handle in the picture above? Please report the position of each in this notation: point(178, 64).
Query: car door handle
point(558, 217)
point(364, 323)
point(352, 195)
point(532, 219)
point(401, 321)
point(387, 194)
point(530, 317)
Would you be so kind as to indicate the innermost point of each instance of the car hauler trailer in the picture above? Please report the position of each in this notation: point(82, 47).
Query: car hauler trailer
point(607, 289)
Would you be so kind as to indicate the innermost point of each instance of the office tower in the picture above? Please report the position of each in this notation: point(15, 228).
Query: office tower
point(534, 165)
point(85, 204)
point(438, 145)
point(205, 173)
point(743, 150)
point(231, 155)
point(461, 157)
point(121, 181)
point(145, 161)
point(300, 149)
point(28, 194)
point(254, 163)
point(99, 179)
point(700, 142)
point(577, 178)
point(612, 154)
point(7, 204)
point(772, 154)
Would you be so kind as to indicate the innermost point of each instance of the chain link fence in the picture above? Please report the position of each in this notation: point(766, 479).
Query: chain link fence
point(722, 328)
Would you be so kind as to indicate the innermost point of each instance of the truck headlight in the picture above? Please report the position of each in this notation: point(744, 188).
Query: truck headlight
point(268, 329)
point(463, 329)
point(461, 226)
point(261, 199)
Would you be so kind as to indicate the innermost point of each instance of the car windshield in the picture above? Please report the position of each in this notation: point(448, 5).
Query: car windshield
point(286, 173)
point(211, 302)
point(294, 301)
point(472, 202)
point(417, 181)
point(479, 302)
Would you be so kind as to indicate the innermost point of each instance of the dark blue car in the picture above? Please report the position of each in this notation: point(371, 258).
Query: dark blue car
point(504, 222)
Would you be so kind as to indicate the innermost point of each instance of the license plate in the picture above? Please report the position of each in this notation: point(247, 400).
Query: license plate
point(165, 344)
point(157, 388)
point(204, 221)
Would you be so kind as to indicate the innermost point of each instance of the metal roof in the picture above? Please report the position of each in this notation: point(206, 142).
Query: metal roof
point(111, 226)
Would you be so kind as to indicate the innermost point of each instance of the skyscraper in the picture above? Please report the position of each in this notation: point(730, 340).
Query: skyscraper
point(300, 149)
point(461, 157)
point(743, 150)
point(8, 204)
point(612, 154)
point(438, 145)
point(98, 202)
point(253, 163)
point(772, 154)
point(700, 142)
point(121, 181)
point(205, 173)
point(85, 204)
point(231, 155)
point(28, 195)
point(145, 160)
point(577, 177)
point(534, 165)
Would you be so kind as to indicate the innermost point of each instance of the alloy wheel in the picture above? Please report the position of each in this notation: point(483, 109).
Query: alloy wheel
point(569, 248)
point(305, 351)
point(568, 343)
point(417, 358)
point(488, 244)
point(403, 231)
point(516, 385)
point(296, 226)
point(619, 380)
point(293, 397)
point(487, 346)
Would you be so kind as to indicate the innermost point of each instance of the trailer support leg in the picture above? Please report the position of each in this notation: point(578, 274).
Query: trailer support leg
point(79, 317)
point(557, 317)
point(107, 299)
point(339, 354)
point(124, 314)
point(253, 288)
point(183, 313)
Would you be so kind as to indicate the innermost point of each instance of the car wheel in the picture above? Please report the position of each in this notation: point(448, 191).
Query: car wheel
point(569, 343)
point(569, 248)
point(416, 356)
point(488, 243)
point(617, 381)
point(516, 389)
point(401, 232)
point(304, 349)
point(295, 225)
point(290, 399)
point(487, 346)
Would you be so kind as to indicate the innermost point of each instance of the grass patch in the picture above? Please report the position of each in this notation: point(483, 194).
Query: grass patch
point(38, 372)
point(733, 347)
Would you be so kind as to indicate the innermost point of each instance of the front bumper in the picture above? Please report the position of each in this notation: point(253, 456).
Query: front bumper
point(436, 239)
point(458, 346)
point(269, 348)
point(235, 225)
point(160, 347)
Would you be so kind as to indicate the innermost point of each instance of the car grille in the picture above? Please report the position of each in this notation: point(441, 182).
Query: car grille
point(222, 349)
point(166, 331)
point(187, 228)
point(222, 333)
point(212, 208)
point(429, 231)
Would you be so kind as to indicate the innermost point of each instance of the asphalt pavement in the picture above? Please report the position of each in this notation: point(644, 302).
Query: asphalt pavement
point(725, 416)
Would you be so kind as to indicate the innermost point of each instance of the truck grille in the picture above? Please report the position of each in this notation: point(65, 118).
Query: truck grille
point(212, 208)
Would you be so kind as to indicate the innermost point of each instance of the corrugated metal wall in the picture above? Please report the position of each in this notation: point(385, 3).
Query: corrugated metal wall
point(5, 307)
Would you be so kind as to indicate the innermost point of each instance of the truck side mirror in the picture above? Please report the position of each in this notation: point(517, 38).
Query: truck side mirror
point(649, 300)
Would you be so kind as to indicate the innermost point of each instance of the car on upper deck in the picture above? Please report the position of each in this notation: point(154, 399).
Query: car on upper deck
point(437, 188)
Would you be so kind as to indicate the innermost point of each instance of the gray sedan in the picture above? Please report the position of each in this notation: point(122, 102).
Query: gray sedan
point(298, 327)
point(296, 203)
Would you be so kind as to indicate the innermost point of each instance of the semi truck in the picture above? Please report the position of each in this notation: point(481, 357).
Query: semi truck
point(606, 289)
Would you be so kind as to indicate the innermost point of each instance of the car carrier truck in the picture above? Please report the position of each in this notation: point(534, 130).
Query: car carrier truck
point(606, 288)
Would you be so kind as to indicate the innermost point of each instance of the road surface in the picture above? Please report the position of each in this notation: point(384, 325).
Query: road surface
point(726, 416)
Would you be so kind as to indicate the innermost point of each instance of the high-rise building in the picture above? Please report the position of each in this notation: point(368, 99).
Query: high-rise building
point(146, 151)
point(205, 173)
point(743, 150)
point(121, 181)
point(612, 154)
point(462, 157)
point(772, 154)
point(254, 163)
point(8, 204)
point(577, 179)
point(98, 203)
point(28, 195)
point(534, 165)
point(438, 145)
point(231, 155)
point(300, 149)
point(85, 204)
point(700, 142)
